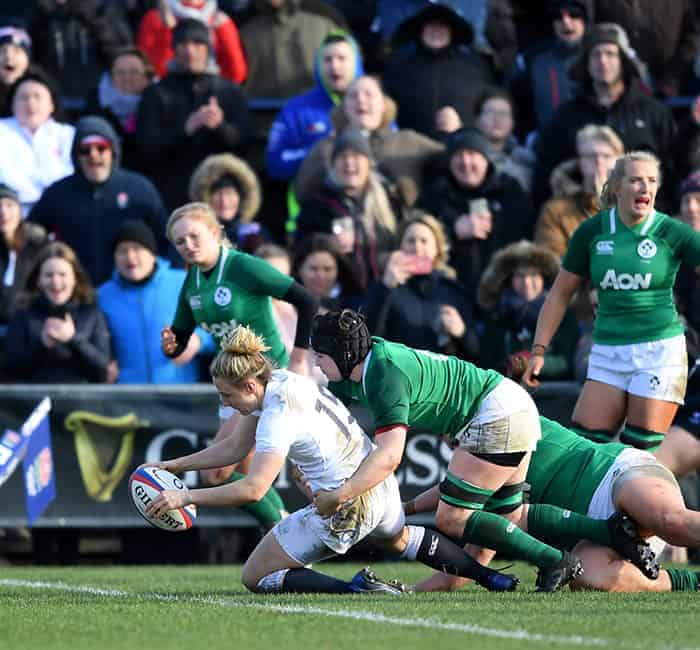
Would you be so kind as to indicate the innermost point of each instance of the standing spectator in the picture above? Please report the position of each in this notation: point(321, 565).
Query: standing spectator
point(20, 241)
point(15, 57)
point(611, 94)
point(357, 205)
point(495, 118)
point(117, 99)
point(403, 154)
point(280, 42)
point(231, 188)
point(189, 115)
point(86, 209)
point(35, 148)
point(155, 35)
point(306, 118)
point(543, 83)
point(74, 41)
point(145, 287)
point(511, 293)
point(664, 36)
point(61, 337)
point(435, 71)
point(417, 302)
point(686, 149)
point(482, 209)
point(576, 185)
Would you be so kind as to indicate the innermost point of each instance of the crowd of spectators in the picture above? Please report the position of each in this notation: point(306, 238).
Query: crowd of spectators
point(426, 162)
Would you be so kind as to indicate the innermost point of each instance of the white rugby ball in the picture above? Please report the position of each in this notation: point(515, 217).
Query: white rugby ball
point(144, 486)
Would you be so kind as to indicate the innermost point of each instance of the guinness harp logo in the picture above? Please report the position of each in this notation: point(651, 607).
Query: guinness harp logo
point(104, 446)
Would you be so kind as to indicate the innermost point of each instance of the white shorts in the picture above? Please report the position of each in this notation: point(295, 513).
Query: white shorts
point(507, 422)
point(655, 369)
point(629, 464)
point(307, 537)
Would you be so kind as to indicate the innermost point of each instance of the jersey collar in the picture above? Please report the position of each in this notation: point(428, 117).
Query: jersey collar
point(223, 256)
point(648, 222)
point(364, 370)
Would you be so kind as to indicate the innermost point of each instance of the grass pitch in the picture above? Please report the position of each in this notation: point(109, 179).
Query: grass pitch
point(206, 608)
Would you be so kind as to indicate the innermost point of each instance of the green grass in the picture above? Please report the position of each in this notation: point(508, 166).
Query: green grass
point(206, 608)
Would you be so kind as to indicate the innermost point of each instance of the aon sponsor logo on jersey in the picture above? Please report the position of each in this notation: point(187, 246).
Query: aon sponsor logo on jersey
point(219, 330)
point(625, 281)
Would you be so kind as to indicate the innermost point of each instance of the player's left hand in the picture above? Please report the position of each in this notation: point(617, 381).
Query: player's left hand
point(168, 500)
point(327, 502)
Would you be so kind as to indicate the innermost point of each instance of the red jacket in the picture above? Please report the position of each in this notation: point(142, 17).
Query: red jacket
point(155, 40)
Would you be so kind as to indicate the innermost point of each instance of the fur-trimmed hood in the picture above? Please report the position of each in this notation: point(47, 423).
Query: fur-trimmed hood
point(565, 180)
point(503, 264)
point(340, 120)
point(212, 168)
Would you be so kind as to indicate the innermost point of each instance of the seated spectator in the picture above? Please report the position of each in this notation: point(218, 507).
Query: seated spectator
point(434, 67)
point(189, 115)
point(306, 119)
point(542, 81)
point(117, 98)
point(15, 57)
point(612, 93)
point(417, 301)
point(35, 148)
point(481, 208)
point(280, 40)
point(86, 208)
point(511, 292)
point(155, 35)
point(326, 272)
point(61, 336)
point(404, 155)
point(355, 204)
point(576, 186)
point(687, 288)
point(495, 118)
point(74, 41)
point(145, 287)
point(229, 185)
point(20, 242)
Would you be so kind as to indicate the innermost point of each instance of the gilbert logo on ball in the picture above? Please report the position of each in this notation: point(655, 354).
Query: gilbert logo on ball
point(144, 486)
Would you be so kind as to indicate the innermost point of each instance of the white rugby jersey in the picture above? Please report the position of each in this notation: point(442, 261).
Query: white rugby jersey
point(313, 428)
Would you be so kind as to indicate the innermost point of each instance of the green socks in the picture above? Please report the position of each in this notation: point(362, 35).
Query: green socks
point(267, 511)
point(596, 435)
point(493, 531)
point(683, 580)
point(641, 438)
point(563, 527)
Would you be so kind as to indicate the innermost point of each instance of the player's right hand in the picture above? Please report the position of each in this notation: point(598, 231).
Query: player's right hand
point(532, 372)
point(168, 342)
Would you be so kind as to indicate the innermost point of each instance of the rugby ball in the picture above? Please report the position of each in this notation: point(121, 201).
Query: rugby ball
point(144, 486)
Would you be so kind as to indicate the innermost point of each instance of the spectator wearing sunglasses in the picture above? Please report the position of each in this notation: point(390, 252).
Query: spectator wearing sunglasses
point(542, 82)
point(86, 209)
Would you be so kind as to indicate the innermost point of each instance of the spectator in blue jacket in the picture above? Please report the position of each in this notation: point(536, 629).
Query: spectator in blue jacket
point(306, 118)
point(137, 301)
point(86, 208)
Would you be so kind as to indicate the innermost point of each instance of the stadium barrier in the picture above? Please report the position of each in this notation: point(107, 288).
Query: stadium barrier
point(100, 434)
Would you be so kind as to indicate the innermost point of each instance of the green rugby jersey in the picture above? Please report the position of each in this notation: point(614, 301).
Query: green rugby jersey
point(418, 388)
point(566, 469)
point(237, 291)
point(634, 270)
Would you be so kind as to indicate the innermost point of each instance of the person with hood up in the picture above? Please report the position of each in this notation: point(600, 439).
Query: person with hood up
point(231, 188)
point(306, 118)
point(145, 287)
point(436, 72)
point(86, 208)
point(188, 115)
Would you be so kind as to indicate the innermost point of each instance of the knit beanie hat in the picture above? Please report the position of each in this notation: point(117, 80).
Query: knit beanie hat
point(190, 29)
point(468, 138)
point(691, 184)
point(353, 139)
point(7, 192)
point(136, 231)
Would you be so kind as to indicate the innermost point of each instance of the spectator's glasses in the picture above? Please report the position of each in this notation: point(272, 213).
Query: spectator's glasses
point(571, 12)
point(85, 149)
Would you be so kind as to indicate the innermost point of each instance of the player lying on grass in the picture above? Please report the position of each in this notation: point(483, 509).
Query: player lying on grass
point(285, 416)
point(492, 422)
point(597, 480)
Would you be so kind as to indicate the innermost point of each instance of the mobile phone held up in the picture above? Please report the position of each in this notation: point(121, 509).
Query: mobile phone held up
point(419, 264)
point(478, 206)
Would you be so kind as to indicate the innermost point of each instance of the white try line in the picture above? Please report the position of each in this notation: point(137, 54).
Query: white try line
point(359, 615)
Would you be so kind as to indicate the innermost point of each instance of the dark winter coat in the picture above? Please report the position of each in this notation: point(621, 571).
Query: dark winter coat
point(82, 360)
